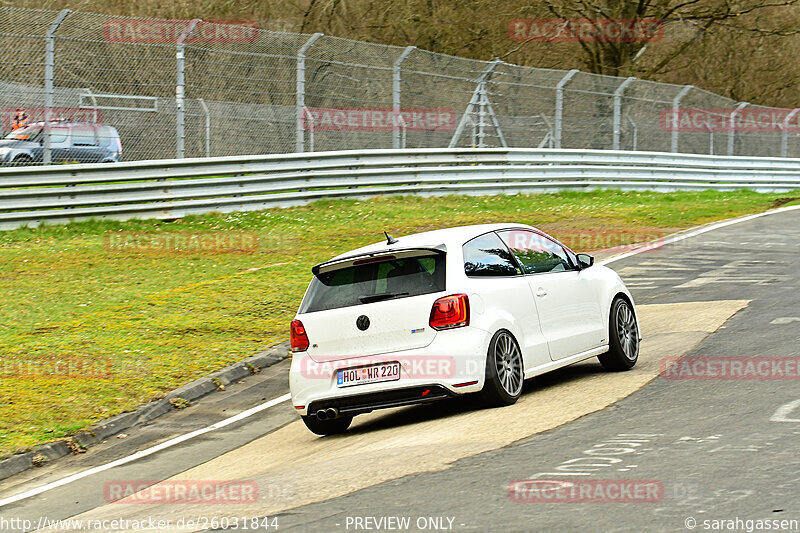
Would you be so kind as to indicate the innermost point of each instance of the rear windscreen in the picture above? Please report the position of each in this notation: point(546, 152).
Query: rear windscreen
point(374, 282)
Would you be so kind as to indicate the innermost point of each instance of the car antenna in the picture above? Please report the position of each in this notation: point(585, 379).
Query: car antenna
point(389, 239)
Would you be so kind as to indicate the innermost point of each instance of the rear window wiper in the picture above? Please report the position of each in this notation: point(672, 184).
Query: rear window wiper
point(377, 297)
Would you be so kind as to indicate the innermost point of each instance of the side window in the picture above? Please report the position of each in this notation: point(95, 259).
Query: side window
point(58, 135)
point(83, 137)
point(107, 137)
point(536, 252)
point(488, 256)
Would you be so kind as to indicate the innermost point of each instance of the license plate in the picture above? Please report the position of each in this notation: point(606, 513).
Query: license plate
point(368, 374)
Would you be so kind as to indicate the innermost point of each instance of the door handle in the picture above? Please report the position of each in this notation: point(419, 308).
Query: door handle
point(540, 292)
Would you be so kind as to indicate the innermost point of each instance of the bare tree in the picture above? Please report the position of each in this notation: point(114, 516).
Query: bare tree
point(688, 21)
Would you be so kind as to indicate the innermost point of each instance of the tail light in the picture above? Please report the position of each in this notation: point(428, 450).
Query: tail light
point(299, 339)
point(450, 312)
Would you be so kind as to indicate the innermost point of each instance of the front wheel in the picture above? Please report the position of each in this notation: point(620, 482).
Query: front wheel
point(330, 426)
point(504, 372)
point(623, 332)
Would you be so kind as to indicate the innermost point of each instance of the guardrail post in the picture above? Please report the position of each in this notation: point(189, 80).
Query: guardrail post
point(560, 106)
point(618, 110)
point(676, 107)
point(180, 89)
point(785, 131)
point(396, 96)
point(300, 103)
point(732, 134)
point(49, 74)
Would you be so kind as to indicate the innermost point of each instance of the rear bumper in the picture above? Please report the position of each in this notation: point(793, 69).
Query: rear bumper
point(364, 403)
point(453, 364)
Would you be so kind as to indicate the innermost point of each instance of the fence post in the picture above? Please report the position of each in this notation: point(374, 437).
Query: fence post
point(676, 106)
point(560, 106)
point(300, 103)
point(310, 118)
point(49, 73)
point(396, 96)
point(635, 129)
point(180, 90)
point(478, 98)
point(731, 135)
point(618, 110)
point(785, 131)
point(208, 126)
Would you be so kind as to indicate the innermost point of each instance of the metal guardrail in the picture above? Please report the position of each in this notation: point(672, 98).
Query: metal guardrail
point(167, 189)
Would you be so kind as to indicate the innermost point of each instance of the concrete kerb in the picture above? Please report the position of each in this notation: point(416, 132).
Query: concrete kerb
point(146, 413)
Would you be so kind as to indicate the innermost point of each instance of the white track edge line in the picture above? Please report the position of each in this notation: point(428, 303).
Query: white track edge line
point(694, 233)
point(148, 451)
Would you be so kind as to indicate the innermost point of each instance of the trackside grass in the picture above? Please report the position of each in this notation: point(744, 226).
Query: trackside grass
point(127, 325)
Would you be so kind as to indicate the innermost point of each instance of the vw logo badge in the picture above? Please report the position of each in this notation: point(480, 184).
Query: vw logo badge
point(362, 322)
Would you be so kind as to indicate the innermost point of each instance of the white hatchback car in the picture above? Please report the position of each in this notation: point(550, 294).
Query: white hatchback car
point(450, 312)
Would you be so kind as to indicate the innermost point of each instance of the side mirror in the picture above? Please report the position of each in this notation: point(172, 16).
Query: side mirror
point(584, 261)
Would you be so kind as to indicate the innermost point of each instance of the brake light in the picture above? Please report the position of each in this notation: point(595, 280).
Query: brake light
point(450, 312)
point(299, 339)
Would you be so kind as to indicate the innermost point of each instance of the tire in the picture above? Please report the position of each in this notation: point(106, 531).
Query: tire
point(623, 338)
point(331, 426)
point(504, 371)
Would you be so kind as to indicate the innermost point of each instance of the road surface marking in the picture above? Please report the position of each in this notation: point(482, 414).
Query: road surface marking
point(144, 453)
point(681, 236)
point(783, 412)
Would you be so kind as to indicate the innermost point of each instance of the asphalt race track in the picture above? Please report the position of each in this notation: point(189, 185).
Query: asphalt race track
point(715, 449)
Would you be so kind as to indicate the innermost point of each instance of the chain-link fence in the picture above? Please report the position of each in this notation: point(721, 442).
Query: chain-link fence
point(195, 88)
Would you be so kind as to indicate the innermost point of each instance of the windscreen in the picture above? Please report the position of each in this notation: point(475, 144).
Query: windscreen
point(31, 133)
point(375, 281)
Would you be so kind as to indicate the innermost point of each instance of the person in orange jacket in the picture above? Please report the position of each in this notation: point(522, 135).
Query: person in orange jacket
point(20, 120)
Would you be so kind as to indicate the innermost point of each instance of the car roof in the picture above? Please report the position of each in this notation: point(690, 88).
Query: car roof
point(68, 123)
point(449, 237)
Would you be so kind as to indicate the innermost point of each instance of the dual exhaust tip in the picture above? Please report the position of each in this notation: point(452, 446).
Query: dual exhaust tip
point(327, 414)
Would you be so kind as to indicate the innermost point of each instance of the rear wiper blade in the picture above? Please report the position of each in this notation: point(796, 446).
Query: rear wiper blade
point(378, 297)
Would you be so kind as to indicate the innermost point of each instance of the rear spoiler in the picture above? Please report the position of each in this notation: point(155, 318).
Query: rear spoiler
point(374, 257)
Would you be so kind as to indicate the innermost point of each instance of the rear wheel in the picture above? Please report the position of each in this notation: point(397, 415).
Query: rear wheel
point(623, 337)
point(23, 160)
point(504, 372)
point(330, 426)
